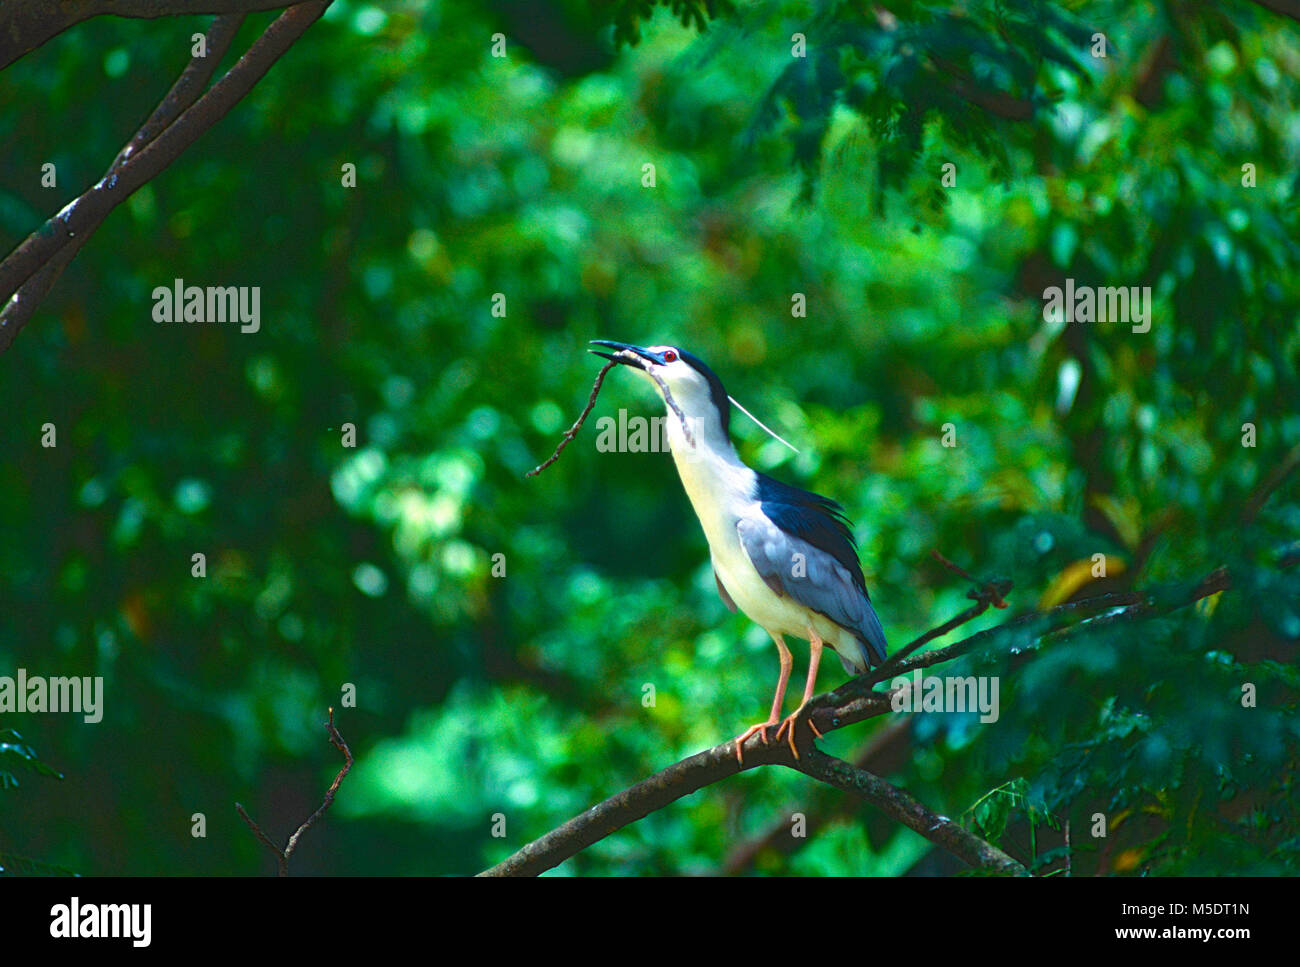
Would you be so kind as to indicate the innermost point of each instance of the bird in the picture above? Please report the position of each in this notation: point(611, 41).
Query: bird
point(784, 556)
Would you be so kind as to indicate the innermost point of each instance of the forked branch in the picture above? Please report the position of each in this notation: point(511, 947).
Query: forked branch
point(282, 855)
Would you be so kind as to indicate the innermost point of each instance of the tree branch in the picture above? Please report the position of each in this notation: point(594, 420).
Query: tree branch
point(1285, 8)
point(1279, 473)
point(18, 310)
point(85, 213)
point(671, 784)
point(850, 703)
point(27, 24)
point(896, 803)
point(282, 855)
point(995, 102)
point(879, 754)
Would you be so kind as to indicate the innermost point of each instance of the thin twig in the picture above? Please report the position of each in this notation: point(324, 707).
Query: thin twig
point(572, 431)
point(992, 589)
point(282, 855)
point(955, 568)
point(266, 840)
point(1279, 473)
point(990, 592)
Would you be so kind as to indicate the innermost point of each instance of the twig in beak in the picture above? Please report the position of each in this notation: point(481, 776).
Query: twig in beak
point(572, 431)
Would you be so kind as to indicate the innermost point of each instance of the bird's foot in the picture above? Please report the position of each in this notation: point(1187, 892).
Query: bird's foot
point(790, 722)
point(761, 728)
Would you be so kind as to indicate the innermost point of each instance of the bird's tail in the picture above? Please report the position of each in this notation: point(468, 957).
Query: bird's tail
point(872, 647)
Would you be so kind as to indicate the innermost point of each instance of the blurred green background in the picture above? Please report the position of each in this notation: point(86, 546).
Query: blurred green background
point(521, 695)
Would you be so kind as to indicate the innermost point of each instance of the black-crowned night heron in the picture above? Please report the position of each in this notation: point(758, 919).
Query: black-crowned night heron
point(783, 555)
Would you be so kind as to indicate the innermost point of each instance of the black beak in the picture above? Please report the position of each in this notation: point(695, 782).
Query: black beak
point(627, 354)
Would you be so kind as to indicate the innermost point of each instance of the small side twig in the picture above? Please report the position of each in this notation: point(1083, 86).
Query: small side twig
point(993, 590)
point(282, 855)
point(1279, 473)
point(985, 593)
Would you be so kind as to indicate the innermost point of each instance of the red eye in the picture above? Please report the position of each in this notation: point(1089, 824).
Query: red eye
point(670, 355)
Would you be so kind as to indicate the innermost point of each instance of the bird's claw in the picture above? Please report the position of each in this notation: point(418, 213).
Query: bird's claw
point(761, 728)
point(790, 723)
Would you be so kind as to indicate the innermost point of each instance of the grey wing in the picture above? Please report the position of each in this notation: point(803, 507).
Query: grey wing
point(794, 568)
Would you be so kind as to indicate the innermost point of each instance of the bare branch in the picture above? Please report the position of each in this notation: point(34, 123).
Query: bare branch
point(1285, 8)
point(995, 102)
point(1279, 473)
point(84, 214)
point(633, 803)
point(282, 855)
point(18, 310)
point(706, 768)
point(27, 24)
point(188, 87)
point(896, 803)
point(669, 785)
point(844, 706)
point(882, 751)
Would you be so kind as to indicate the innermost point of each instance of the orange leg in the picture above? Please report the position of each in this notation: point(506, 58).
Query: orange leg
point(814, 661)
point(786, 664)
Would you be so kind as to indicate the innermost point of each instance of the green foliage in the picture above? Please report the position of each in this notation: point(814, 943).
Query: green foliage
point(628, 15)
point(523, 694)
point(16, 755)
point(921, 64)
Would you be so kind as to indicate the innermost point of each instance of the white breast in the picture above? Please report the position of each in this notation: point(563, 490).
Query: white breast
point(720, 487)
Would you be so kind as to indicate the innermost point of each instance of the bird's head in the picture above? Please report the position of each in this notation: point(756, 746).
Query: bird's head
point(694, 387)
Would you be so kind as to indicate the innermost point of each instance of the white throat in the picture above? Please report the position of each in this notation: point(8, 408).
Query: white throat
point(712, 474)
